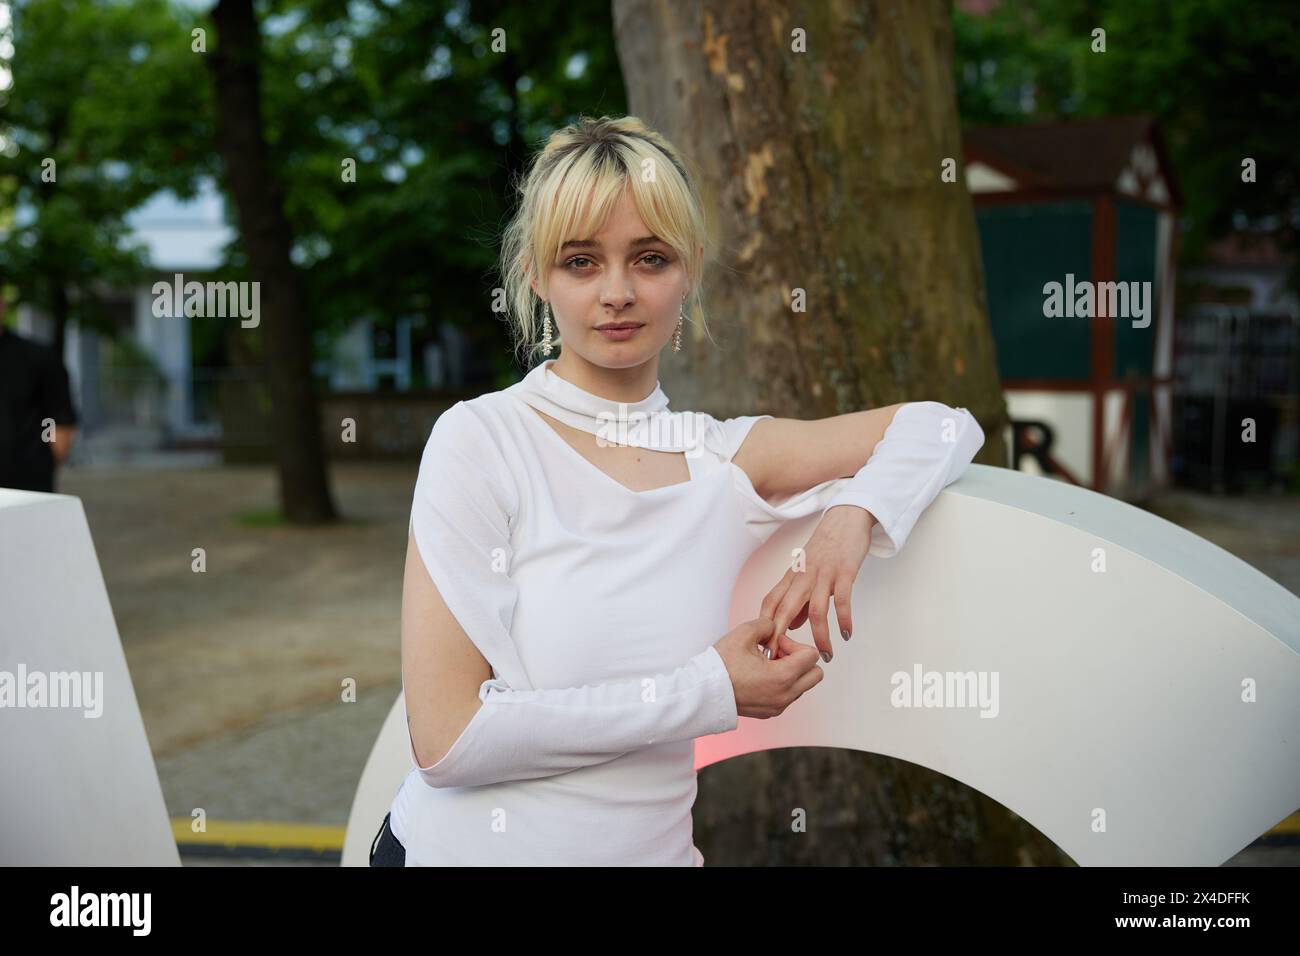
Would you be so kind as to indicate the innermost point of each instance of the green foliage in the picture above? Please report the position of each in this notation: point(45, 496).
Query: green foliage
point(1220, 74)
point(110, 93)
point(439, 123)
point(436, 122)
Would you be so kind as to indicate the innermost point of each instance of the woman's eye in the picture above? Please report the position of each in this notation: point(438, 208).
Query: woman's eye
point(661, 261)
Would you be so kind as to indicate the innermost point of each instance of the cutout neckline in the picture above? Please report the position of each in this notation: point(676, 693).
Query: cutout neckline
point(584, 460)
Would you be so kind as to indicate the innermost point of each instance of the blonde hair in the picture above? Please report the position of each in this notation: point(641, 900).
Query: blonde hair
point(568, 191)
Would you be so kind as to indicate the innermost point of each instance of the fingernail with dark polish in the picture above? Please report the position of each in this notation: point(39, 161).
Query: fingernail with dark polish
point(826, 657)
point(844, 633)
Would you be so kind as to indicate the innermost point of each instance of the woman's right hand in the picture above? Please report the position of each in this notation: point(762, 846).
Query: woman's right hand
point(765, 687)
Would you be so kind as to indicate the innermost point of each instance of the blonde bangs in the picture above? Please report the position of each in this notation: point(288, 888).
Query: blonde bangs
point(584, 199)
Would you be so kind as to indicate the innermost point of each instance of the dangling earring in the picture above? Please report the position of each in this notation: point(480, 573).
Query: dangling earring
point(677, 334)
point(546, 330)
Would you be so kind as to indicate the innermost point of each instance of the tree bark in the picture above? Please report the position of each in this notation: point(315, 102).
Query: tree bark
point(822, 172)
point(305, 496)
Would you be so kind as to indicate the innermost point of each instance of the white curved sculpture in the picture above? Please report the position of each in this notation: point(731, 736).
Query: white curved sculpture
point(1134, 690)
point(78, 785)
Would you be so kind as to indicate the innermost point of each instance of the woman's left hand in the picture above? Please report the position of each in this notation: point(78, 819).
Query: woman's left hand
point(830, 563)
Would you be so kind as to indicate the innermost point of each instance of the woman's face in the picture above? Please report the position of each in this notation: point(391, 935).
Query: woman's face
point(622, 276)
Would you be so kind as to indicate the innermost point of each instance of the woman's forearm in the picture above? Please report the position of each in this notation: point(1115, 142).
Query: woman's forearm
point(523, 734)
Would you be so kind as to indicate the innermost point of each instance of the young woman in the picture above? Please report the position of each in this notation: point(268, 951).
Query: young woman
point(574, 543)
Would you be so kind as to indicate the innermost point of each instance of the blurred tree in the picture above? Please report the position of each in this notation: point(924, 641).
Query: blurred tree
point(824, 170)
point(439, 113)
point(392, 201)
point(305, 496)
point(105, 107)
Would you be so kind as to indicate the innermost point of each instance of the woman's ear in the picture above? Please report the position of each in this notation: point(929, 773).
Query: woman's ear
point(532, 275)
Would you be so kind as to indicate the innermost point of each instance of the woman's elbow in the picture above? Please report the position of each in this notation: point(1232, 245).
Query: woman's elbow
point(445, 769)
point(437, 773)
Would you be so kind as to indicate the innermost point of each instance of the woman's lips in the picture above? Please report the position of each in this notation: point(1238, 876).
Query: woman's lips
point(619, 334)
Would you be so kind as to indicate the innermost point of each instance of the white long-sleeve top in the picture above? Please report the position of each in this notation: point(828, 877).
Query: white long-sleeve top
point(597, 608)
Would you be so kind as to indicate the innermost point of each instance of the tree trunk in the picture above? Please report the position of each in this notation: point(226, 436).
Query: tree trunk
point(822, 171)
point(259, 200)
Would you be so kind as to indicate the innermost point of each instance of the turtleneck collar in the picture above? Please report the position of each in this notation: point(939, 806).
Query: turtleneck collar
point(645, 424)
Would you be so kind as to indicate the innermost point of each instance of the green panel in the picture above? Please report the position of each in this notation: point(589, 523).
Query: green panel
point(1135, 261)
point(1023, 248)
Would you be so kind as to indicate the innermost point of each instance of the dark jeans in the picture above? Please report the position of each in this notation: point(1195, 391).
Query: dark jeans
point(387, 850)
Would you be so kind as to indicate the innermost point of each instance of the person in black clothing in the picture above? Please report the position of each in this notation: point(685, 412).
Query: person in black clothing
point(33, 387)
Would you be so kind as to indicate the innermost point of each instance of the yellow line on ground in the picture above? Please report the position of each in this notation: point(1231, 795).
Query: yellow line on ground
point(272, 834)
point(1290, 825)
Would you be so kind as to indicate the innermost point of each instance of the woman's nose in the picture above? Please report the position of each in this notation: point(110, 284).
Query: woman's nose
point(617, 295)
point(617, 289)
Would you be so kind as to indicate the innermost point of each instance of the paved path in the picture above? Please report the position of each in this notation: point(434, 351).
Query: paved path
point(239, 670)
